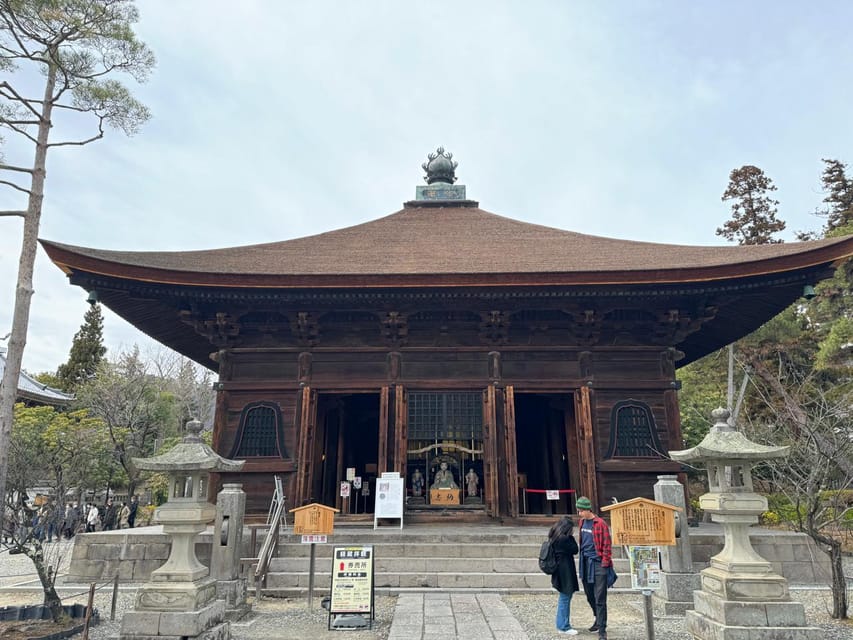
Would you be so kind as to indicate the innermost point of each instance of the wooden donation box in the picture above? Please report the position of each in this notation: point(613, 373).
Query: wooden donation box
point(313, 518)
point(641, 521)
point(444, 496)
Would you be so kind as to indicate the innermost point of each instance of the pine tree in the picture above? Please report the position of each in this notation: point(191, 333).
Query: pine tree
point(87, 351)
point(753, 210)
point(838, 187)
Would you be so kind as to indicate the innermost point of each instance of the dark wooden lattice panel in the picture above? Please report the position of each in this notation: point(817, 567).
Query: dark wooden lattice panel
point(445, 416)
point(259, 434)
point(632, 432)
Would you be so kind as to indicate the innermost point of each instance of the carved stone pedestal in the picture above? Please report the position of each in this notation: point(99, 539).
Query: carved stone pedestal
point(176, 610)
point(716, 618)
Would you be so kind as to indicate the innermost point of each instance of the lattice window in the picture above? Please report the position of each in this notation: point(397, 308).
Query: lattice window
point(632, 432)
point(445, 416)
point(260, 432)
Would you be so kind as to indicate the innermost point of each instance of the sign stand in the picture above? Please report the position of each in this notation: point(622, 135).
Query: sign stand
point(352, 590)
point(390, 491)
point(642, 525)
point(314, 522)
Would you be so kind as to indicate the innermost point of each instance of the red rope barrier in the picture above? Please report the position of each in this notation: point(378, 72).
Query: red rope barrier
point(547, 490)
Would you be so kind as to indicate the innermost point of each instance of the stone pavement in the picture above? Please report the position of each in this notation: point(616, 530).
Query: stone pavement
point(434, 616)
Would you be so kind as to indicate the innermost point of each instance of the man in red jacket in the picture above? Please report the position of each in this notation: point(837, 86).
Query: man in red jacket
point(595, 560)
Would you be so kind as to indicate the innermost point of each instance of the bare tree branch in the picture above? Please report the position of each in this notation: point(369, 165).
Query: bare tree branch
point(20, 131)
point(77, 143)
point(11, 167)
point(19, 98)
point(21, 214)
point(14, 186)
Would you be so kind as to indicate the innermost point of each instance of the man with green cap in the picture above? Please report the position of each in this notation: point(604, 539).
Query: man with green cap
point(595, 562)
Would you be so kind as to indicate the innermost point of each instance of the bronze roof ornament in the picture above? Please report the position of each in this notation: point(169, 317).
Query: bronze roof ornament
point(440, 167)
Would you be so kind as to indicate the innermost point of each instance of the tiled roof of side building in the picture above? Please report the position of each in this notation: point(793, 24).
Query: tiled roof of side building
point(34, 391)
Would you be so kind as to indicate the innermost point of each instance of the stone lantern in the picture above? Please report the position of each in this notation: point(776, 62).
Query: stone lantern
point(180, 599)
point(739, 590)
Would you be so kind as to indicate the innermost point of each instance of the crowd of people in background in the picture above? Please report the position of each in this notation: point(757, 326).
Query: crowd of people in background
point(52, 522)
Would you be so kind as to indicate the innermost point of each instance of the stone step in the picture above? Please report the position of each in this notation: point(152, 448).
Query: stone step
point(417, 549)
point(281, 584)
point(456, 564)
point(419, 536)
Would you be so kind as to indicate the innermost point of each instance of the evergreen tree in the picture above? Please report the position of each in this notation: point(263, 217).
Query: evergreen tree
point(59, 59)
point(838, 187)
point(753, 210)
point(87, 351)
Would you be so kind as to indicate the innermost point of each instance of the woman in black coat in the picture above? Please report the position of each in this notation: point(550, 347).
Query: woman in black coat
point(565, 579)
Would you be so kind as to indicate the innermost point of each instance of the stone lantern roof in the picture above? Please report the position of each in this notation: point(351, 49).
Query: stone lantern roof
point(725, 442)
point(192, 454)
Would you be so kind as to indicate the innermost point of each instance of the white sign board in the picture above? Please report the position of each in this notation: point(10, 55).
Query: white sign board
point(314, 538)
point(389, 499)
point(356, 482)
point(552, 494)
point(345, 489)
point(352, 580)
point(350, 473)
point(645, 567)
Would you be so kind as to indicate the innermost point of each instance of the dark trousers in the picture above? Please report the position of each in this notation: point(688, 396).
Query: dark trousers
point(596, 595)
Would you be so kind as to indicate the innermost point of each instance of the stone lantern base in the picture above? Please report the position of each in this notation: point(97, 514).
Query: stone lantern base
point(737, 606)
point(175, 611)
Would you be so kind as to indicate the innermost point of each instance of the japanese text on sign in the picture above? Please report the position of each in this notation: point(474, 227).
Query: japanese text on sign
point(352, 580)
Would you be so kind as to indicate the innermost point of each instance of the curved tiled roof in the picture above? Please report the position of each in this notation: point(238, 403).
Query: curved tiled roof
point(451, 245)
point(31, 389)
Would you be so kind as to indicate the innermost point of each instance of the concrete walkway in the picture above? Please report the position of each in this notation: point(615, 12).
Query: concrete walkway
point(434, 616)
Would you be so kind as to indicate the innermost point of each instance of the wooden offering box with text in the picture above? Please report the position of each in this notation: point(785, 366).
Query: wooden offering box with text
point(313, 518)
point(641, 521)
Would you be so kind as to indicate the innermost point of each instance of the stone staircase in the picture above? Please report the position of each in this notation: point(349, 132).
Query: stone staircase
point(424, 558)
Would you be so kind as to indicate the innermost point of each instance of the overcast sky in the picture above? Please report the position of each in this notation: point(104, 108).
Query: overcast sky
point(280, 119)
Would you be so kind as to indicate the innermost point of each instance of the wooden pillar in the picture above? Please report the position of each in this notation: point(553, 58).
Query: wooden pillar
point(490, 451)
point(340, 471)
point(586, 442)
point(673, 420)
point(307, 432)
point(382, 458)
point(401, 428)
point(220, 424)
point(511, 451)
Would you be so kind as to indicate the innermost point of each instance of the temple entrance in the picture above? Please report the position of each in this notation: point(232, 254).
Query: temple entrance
point(542, 424)
point(347, 439)
point(444, 462)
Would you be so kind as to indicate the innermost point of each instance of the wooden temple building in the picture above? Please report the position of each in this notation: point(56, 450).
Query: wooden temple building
point(539, 358)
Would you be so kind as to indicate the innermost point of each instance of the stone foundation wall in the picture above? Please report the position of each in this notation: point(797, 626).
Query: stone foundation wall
point(792, 555)
point(131, 553)
point(134, 553)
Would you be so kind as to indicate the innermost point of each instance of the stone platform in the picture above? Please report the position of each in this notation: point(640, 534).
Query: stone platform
point(422, 556)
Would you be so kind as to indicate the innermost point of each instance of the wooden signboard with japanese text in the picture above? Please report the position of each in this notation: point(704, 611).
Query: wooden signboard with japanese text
point(444, 496)
point(641, 521)
point(313, 518)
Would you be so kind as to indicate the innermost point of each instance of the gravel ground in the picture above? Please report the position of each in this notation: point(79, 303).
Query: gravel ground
point(625, 616)
point(285, 619)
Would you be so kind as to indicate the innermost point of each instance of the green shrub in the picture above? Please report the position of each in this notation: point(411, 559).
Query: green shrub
point(770, 519)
